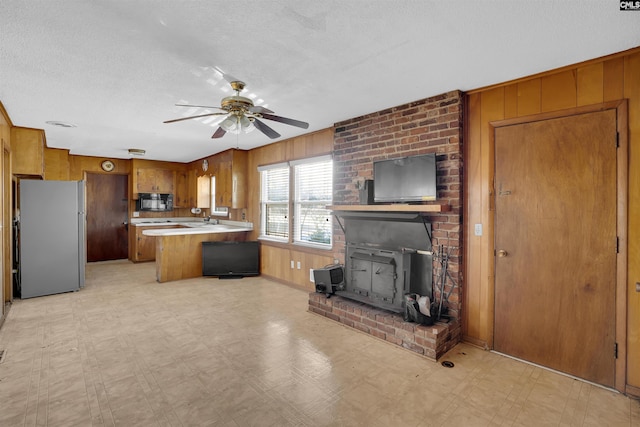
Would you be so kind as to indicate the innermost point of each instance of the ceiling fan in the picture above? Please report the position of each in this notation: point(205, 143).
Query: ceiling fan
point(242, 115)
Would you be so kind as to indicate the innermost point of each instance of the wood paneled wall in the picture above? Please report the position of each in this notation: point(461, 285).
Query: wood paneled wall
point(6, 276)
point(611, 78)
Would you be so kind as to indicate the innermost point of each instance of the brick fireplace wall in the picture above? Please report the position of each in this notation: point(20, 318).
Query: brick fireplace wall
point(432, 125)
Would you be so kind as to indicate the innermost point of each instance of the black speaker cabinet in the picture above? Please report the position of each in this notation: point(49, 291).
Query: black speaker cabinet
point(366, 193)
point(328, 279)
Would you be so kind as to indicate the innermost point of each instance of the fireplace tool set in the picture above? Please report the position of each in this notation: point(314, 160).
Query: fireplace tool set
point(443, 258)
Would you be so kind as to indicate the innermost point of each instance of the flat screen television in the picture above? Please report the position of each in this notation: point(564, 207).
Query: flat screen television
point(405, 180)
point(229, 260)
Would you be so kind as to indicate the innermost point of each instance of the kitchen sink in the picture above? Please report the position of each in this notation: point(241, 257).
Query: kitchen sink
point(206, 224)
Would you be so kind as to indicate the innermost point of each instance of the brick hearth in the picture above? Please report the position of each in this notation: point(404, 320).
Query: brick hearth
point(430, 341)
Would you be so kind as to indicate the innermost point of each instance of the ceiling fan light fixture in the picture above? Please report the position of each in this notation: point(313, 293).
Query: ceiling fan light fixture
point(242, 115)
point(230, 124)
point(245, 124)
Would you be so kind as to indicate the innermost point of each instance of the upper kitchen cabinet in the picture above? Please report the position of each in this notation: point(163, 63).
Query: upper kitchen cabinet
point(27, 151)
point(153, 181)
point(230, 168)
point(192, 188)
point(181, 196)
point(203, 194)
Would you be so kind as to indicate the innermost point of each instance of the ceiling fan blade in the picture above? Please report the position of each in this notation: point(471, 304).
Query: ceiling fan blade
point(193, 117)
point(197, 106)
point(259, 109)
point(219, 133)
point(265, 129)
point(287, 121)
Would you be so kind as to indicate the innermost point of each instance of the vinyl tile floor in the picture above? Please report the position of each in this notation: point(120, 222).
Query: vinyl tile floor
point(129, 351)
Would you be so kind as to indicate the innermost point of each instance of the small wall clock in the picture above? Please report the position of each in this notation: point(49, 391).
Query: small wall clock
point(107, 166)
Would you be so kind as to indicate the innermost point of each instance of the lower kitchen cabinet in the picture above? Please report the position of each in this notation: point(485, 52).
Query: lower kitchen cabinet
point(141, 247)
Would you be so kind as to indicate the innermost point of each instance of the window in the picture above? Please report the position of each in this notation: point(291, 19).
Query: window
point(313, 189)
point(274, 202)
point(311, 180)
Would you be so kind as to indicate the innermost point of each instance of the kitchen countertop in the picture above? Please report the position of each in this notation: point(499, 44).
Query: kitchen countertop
point(191, 226)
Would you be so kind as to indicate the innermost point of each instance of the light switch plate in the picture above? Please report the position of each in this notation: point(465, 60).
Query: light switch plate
point(477, 230)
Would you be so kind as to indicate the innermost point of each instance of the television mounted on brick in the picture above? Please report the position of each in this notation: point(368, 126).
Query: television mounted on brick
point(405, 180)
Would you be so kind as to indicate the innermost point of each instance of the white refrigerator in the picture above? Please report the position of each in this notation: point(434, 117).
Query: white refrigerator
point(52, 243)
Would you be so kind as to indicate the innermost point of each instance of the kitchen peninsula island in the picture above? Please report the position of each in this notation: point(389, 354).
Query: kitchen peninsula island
point(179, 250)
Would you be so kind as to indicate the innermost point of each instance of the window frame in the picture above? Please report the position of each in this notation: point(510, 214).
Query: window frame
point(264, 204)
point(297, 203)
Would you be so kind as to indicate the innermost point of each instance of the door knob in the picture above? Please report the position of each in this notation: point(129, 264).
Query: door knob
point(502, 253)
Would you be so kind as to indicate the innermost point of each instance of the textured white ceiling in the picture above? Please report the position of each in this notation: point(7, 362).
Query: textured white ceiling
point(116, 68)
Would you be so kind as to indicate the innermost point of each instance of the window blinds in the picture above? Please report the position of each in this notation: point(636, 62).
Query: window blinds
point(275, 202)
point(313, 192)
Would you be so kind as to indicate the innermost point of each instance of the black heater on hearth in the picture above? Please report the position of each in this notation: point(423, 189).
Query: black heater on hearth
point(328, 279)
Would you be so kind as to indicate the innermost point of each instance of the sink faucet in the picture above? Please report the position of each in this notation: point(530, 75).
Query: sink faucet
point(208, 219)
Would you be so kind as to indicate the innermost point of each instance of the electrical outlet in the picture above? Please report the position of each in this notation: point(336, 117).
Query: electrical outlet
point(477, 230)
point(311, 278)
point(298, 265)
point(293, 264)
point(136, 214)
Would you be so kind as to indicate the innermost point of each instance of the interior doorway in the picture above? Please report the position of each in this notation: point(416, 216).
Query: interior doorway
point(107, 217)
point(556, 243)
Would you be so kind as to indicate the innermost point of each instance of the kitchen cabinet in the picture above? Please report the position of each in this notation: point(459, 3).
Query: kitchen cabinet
point(203, 194)
point(179, 257)
point(181, 195)
point(27, 152)
point(154, 181)
point(192, 187)
point(143, 248)
point(230, 169)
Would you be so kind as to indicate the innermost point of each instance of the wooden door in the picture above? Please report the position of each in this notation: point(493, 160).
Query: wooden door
point(107, 214)
point(556, 244)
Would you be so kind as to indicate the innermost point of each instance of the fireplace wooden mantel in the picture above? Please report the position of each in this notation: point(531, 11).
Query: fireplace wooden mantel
point(395, 207)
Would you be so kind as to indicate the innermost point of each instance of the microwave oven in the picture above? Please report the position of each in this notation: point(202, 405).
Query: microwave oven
point(156, 202)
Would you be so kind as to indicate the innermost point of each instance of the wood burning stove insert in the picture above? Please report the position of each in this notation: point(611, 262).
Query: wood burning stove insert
point(387, 256)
